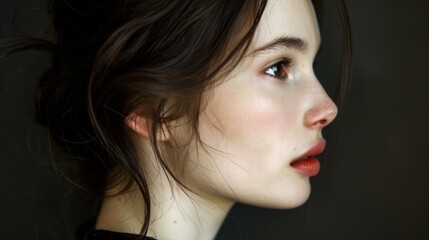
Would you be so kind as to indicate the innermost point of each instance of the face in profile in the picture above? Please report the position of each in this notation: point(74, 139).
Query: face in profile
point(266, 117)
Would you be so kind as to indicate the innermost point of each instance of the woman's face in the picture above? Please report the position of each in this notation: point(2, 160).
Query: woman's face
point(268, 113)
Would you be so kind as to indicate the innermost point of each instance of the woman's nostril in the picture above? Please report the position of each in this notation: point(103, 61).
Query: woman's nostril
point(323, 122)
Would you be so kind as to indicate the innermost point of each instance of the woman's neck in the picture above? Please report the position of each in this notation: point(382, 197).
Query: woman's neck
point(176, 213)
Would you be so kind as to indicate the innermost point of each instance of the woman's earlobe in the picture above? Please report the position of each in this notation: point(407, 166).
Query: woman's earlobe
point(142, 126)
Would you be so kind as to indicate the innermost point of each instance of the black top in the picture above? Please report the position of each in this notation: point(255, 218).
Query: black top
point(87, 231)
point(109, 235)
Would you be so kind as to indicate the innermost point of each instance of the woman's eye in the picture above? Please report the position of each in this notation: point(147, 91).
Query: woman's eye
point(279, 69)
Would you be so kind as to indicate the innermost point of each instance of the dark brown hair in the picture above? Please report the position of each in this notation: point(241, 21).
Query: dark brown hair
point(111, 58)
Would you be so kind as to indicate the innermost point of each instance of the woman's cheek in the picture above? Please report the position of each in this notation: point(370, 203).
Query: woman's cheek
point(250, 118)
point(270, 115)
point(259, 125)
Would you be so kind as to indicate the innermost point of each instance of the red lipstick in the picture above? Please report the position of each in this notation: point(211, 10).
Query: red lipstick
point(307, 164)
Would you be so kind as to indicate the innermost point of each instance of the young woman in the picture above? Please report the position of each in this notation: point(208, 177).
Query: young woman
point(176, 110)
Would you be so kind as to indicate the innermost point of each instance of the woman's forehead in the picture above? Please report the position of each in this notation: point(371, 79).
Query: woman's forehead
point(288, 19)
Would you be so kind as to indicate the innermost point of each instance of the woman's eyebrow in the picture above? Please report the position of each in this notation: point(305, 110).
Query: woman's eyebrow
point(294, 43)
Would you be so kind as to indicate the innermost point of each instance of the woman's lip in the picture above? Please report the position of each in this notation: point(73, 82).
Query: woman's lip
point(309, 167)
point(318, 148)
point(307, 164)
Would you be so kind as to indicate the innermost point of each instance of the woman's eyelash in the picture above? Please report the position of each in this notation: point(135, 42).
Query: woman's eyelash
point(279, 70)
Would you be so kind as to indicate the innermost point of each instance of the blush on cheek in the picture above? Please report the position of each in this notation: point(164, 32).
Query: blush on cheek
point(271, 119)
point(250, 117)
point(260, 129)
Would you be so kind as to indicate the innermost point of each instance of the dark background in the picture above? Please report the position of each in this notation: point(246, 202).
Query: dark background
point(373, 182)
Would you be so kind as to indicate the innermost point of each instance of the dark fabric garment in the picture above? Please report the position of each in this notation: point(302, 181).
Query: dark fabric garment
point(86, 231)
point(109, 235)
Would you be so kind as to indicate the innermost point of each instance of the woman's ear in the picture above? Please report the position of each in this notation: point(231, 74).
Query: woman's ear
point(139, 123)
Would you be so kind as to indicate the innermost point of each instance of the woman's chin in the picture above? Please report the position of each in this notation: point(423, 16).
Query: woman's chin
point(292, 201)
point(290, 198)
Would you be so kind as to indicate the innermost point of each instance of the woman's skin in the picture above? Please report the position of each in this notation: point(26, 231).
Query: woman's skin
point(257, 121)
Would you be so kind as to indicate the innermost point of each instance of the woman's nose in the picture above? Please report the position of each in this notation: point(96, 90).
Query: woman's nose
point(321, 113)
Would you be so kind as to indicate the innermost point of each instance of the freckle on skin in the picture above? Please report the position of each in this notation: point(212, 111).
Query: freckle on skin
point(175, 221)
